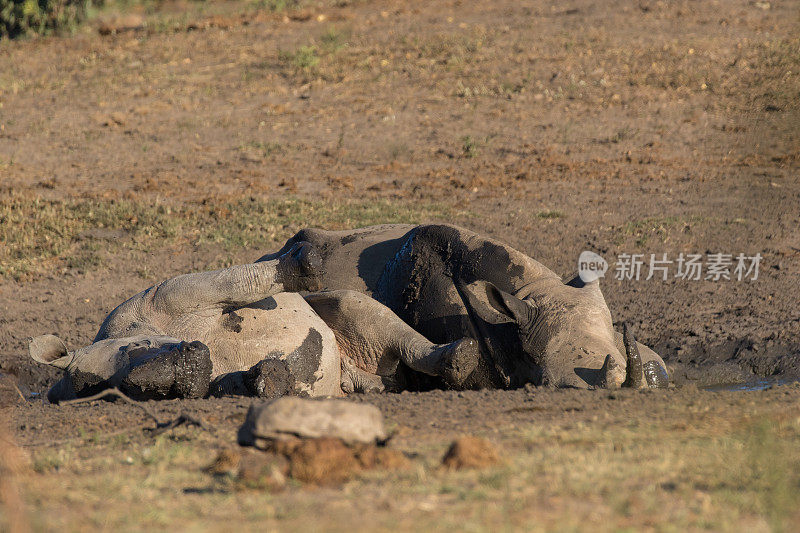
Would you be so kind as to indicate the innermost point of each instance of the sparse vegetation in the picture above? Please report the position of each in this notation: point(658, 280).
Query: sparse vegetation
point(549, 214)
point(40, 235)
point(304, 58)
point(661, 227)
point(263, 149)
point(451, 50)
point(729, 468)
point(469, 146)
point(333, 39)
point(276, 6)
point(30, 17)
point(49, 461)
point(620, 135)
point(398, 150)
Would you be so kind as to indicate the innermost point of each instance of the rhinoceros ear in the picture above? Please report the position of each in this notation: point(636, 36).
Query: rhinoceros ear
point(48, 350)
point(591, 288)
point(496, 306)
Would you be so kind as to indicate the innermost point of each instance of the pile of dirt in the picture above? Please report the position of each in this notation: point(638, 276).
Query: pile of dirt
point(470, 452)
point(323, 442)
point(322, 461)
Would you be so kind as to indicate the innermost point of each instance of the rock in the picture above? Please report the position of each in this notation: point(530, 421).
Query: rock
point(470, 452)
point(289, 418)
point(322, 442)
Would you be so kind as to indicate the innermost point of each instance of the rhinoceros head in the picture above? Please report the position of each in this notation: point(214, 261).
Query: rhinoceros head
point(565, 332)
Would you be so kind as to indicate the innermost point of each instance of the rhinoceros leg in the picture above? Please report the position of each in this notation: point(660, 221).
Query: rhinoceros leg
point(375, 339)
point(296, 270)
point(356, 380)
point(193, 294)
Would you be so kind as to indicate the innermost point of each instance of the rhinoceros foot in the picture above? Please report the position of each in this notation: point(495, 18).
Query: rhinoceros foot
point(182, 372)
point(192, 370)
point(459, 360)
point(300, 269)
point(270, 378)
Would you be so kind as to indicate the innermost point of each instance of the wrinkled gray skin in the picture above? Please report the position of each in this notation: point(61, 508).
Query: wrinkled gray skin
point(391, 291)
point(449, 283)
point(237, 330)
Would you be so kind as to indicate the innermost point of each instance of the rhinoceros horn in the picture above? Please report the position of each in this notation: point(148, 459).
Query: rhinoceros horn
point(611, 375)
point(635, 376)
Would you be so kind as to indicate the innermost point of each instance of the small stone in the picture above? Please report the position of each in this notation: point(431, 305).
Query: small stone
point(290, 417)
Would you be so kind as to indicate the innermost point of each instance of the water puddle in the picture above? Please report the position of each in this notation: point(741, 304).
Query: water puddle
point(760, 384)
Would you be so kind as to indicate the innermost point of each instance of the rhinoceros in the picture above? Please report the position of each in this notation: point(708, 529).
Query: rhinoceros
point(402, 307)
point(449, 283)
point(238, 330)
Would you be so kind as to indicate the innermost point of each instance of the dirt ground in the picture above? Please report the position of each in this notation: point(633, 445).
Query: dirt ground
point(622, 128)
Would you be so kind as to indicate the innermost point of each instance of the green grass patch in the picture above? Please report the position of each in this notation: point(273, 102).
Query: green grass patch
point(469, 146)
point(332, 40)
point(276, 6)
point(261, 149)
point(305, 58)
point(39, 236)
point(772, 470)
point(42, 17)
point(551, 214)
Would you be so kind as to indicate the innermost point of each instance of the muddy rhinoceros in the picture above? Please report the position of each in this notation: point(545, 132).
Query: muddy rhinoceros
point(237, 330)
point(404, 307)
point(449, 283)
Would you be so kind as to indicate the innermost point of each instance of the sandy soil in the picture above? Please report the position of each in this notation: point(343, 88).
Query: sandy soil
point(634, 127)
